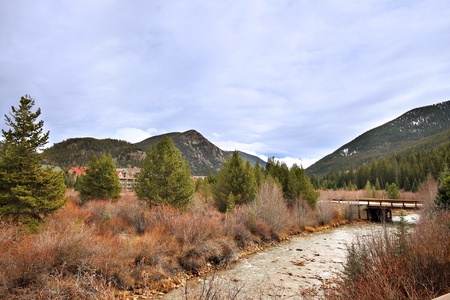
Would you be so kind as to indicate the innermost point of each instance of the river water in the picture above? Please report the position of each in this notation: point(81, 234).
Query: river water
point(295, 269)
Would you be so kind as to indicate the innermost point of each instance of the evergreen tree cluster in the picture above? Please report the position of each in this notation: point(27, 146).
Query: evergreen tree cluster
point(237, 182)
point(294, 182)
point(406, 171)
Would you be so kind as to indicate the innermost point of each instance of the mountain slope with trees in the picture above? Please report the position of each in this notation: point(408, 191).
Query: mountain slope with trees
point(422, 128)
point(202, 156)
point(76, 152)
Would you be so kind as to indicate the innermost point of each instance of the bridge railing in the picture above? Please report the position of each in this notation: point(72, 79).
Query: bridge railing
point(380, 202)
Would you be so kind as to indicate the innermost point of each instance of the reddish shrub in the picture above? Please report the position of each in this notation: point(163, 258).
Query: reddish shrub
point(398, 265)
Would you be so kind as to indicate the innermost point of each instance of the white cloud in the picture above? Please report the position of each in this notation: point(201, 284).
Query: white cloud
point(298, 79)
point(134, 135)
point(250, 148)
point(301, 162)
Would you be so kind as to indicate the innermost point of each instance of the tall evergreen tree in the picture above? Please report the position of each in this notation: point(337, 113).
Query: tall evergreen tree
point(101, 180)
point(393, 192)
point(407, 185)
point(235, 184)
point(299, 185)
point(442, 200)
point(259, 173)
point(165, 176)
point(28, 191)
point(368, 190)
point(279, 171)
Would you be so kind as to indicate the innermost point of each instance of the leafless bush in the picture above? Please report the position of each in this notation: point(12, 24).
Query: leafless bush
point(133, 212)
point(270, 207)
point(427, 193)
point(81, 286)
point(326, 212)
point(349, 212)
point(302, 215)
point(399, 265)
point(234, 226)
point(62, 248)
point(196, 227)
point(217, 252)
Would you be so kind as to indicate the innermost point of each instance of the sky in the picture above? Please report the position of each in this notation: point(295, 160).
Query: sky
point(294, 80)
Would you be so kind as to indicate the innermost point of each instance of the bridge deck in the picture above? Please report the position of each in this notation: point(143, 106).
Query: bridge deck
point(379, 209)
point(387, 203)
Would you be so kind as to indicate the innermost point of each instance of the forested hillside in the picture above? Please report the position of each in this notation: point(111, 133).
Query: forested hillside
point(422, 128)
point(406, 170)
point(202, 156)
point(78, 152)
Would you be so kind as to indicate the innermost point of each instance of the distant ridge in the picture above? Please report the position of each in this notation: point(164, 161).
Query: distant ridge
point(420, 128)
point(202, 156)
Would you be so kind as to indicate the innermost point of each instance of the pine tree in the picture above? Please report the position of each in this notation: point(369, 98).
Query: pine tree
point(165, 176)
point(101, 180)
point(377, 185)
point(393, 192)
point(407, 185)
point(442, 200)
point(368, 189)
point(236, 182)
point(414, 187)
point(279, 171)
point(28, 191)
point(299, 185)
point(258, 171)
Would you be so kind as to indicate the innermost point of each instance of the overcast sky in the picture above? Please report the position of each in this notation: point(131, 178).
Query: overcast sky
point(290, 79)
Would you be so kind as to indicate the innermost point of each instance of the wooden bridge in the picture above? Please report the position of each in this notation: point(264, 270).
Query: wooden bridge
point(378, 209)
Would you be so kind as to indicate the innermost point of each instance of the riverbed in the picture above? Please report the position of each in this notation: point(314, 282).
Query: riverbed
point(295, 269)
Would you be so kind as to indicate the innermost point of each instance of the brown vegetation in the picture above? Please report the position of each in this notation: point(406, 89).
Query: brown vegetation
point(401, 264)
point(106, 250)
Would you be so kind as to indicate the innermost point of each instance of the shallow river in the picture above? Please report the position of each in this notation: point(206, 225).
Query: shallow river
point(295, 269)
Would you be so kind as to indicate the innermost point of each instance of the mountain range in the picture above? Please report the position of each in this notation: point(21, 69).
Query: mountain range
point(202, 156)
point(418, 129)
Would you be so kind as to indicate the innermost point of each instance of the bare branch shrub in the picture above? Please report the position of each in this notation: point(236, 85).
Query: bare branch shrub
point(192, 228)
point(62, 247)
point(398, 264)
point(133, 212)
point(349, 212)
point(269, 205)
point(326, 212)
point(234, 226)
point(427, 193)
point(302, 215)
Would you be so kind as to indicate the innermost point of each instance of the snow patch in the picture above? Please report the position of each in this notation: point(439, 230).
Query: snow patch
point(347, 152)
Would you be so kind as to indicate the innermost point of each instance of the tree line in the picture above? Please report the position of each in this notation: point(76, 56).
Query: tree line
point(407, 171)
point(165, 179)
point(29, 191)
